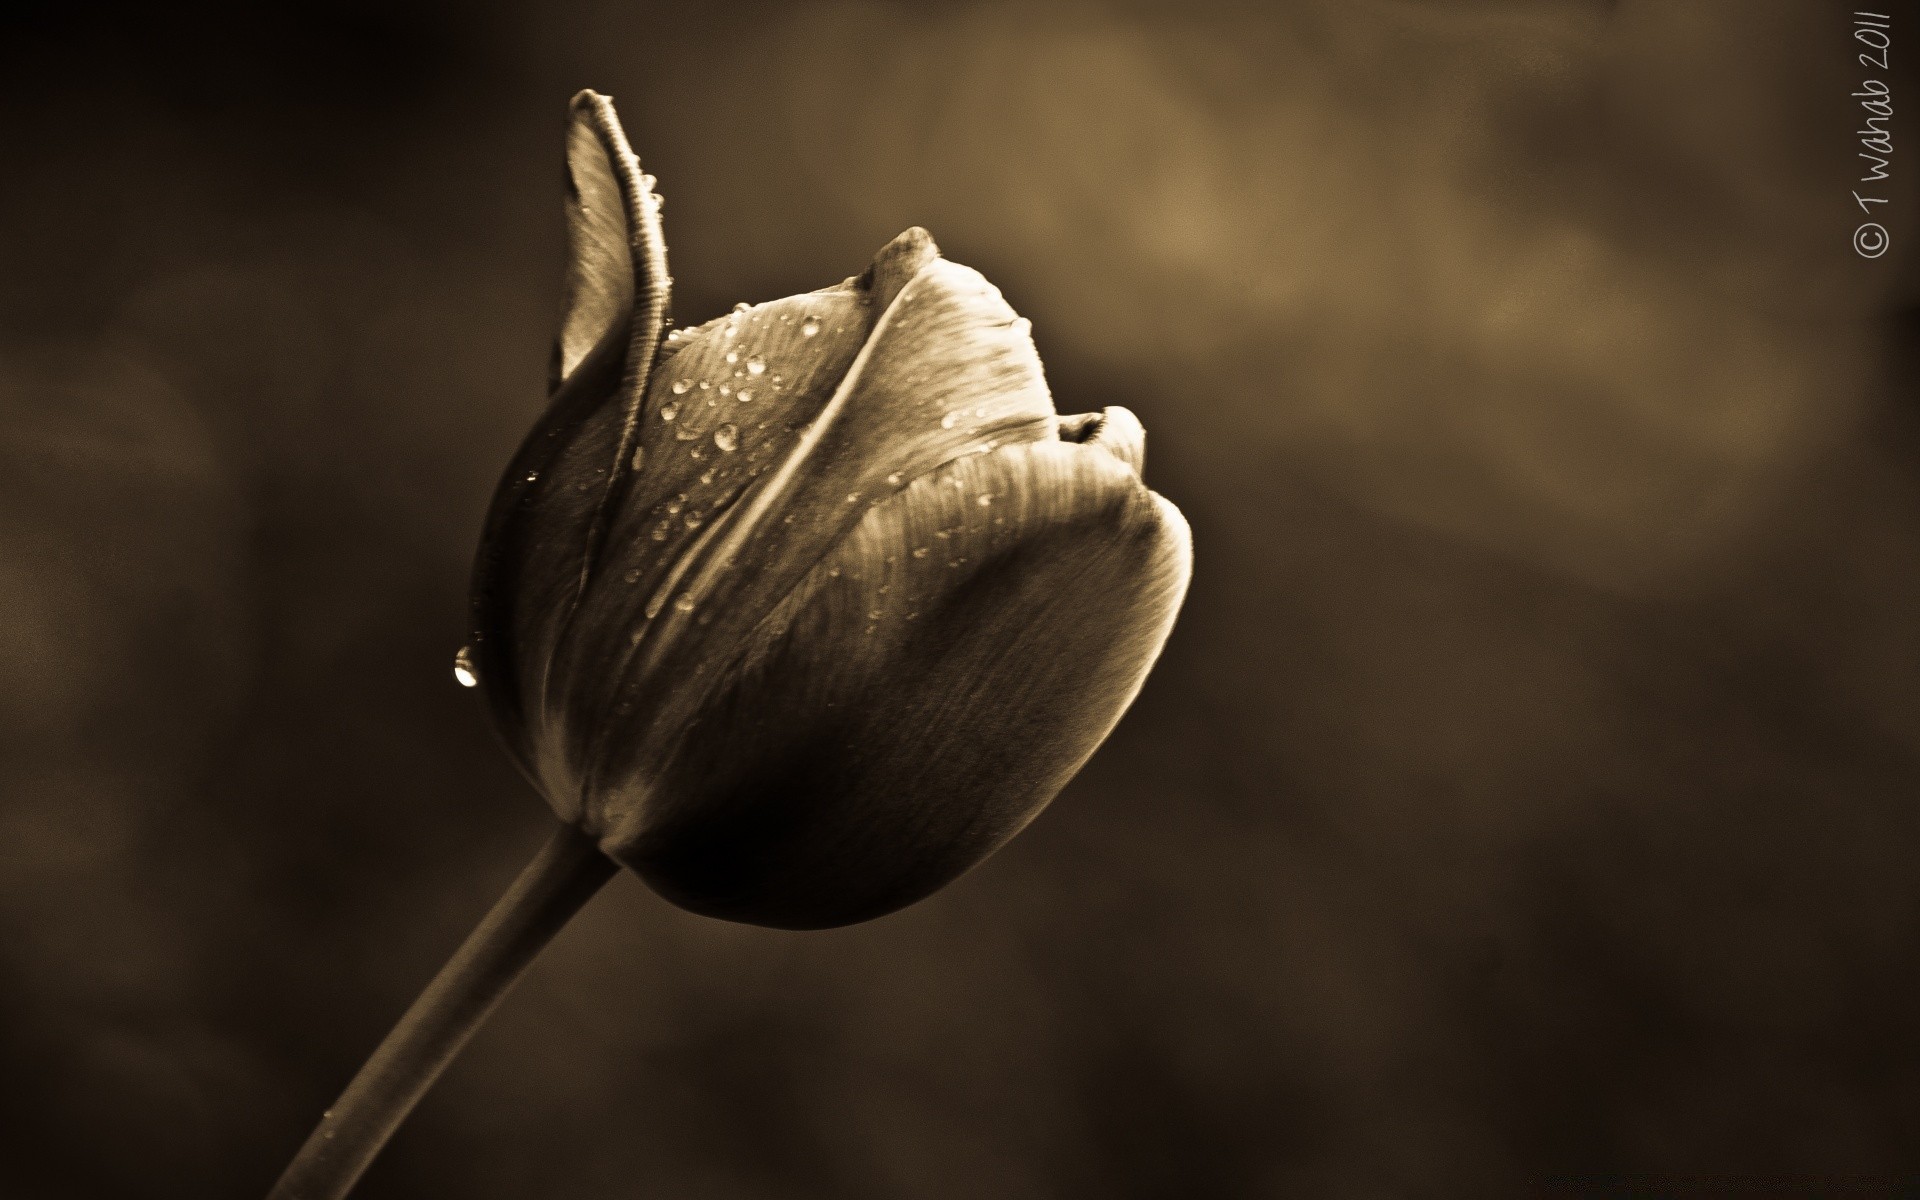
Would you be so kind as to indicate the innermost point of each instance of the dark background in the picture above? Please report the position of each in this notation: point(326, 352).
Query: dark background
point(1529, 796)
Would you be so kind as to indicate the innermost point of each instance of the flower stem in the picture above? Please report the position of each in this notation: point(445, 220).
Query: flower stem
point(562, 877)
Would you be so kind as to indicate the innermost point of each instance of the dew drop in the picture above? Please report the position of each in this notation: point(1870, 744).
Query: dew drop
point(684, 603)
point(463, 670)
point(674, 506)
point(669, 410)
point(639, 457)
point(684, 434)
point(632, 576)
point(704, 385)
point(706, 476)
point(948, 421)
point(742, 306)
point(693, 520)
point(809, 327)
point(727, 437)
point(873, 614)
point(756, 365)
point(726, 389)
point(532, 475)
point(853, 497)
point(745, 396)
point(894, 479)
point(920, 553)
point(1021, 325)
point(733, 356)
point(680, 386)
point(983, 499)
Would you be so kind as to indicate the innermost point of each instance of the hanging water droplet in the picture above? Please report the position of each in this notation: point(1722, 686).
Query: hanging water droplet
point(1021, 326)
point(684, 603)
point(809, 327)
point(726, 437)
point(463, 670)
point(669, 410)
point(680, 386)
point(833, 572)
point(756, 365)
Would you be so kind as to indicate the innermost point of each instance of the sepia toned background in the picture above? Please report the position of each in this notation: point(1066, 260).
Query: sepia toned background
point(1529, 797)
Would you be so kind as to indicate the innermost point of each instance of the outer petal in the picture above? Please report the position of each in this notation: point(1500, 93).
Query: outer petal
point(547, 513)
point(881, 380)
point(927, 689)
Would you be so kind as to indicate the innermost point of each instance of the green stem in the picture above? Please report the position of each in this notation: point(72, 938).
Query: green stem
point(565, 874)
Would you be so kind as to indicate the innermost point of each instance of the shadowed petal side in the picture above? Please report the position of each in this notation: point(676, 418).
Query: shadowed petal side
point(931, 684)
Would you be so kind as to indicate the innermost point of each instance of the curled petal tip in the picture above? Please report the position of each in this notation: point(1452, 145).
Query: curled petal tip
point(1115, 430)
point(897, 262)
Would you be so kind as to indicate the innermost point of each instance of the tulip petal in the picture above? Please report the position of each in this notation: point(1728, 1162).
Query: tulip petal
point(547, 513)
point(916, 700)
point(913, 363)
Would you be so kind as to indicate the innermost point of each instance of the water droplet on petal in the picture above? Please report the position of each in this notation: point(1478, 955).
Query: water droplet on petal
point(853, 497)
point(693, 520)
point(733, 356)
point(948, 421)
point(895, 478)
point(742, 306)
point(632, 576)
point(873, 614)
point(684, 603)
point(809, 327)
point(983, 499)
point(1021, 326)
point(726, 437)
point(639, 457)
point(921, 552)
point(756, 365)
point(726, 389)
point(669, 410)
point(706, 476)
point(745, 396)
point(684, 434)
point(463, 670)
point(680, 386)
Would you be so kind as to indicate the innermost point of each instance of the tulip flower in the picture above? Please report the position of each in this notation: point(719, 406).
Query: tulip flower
point(798, 614)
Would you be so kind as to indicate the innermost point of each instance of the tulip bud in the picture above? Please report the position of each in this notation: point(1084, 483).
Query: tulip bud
point(802, 612)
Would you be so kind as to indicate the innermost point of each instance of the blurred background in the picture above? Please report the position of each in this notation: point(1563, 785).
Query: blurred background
point(1526, 802)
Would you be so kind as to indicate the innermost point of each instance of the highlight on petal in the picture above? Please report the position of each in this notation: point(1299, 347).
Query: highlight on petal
point(924, 692)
